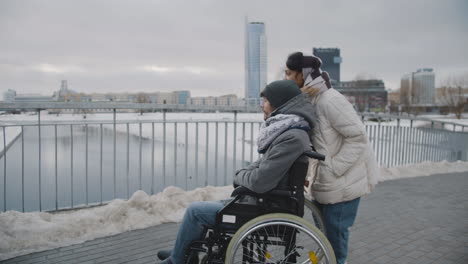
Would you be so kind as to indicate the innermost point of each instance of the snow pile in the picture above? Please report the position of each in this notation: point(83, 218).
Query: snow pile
point(423, 169)
point(23, 233)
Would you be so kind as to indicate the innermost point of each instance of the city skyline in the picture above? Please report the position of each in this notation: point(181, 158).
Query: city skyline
point(148, 46)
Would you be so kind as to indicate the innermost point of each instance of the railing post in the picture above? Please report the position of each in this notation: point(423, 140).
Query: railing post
point(243, 144)
point(164, 150)
point(4, 169)
point(196, 154)
point(206, 153)
point(115, 151)
point(39, 170)
point(128, 161)
point(152, 158)
point(216, 154)
point(251, 141)
point(234, 143)
point(140, 154)
point(100, 161)
point(71, 164)
point(175, 152)
point(22, 167)
point(186, 156)
point(225, 151)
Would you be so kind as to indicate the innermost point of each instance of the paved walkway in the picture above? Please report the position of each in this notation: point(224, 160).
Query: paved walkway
point(417, 220)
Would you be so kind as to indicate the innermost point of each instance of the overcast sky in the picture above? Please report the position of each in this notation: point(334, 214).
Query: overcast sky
point(159, 45)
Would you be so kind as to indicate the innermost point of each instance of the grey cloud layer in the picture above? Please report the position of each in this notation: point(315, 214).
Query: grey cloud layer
point(106, 45)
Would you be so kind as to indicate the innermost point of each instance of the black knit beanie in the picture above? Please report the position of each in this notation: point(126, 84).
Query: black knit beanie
point(279, 92)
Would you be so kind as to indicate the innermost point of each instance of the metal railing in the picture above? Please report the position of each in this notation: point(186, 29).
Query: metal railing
point(76, 164)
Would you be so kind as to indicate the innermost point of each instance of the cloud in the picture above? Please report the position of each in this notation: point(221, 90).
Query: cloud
point(157, 69)
point(159, 45)
point(195, 70)
point(57, 69)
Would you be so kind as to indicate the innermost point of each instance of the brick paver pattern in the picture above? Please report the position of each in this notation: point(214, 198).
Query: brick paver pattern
point(415, 220)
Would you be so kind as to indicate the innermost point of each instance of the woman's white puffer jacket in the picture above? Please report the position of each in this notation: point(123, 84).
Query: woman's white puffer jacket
point(350, 169)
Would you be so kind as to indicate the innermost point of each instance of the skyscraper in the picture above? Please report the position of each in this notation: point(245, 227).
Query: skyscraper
point(418, 88)
point(255, 59)
point(331, 61)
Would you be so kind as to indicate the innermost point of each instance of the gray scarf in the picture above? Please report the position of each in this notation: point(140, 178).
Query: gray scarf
point(275, 126)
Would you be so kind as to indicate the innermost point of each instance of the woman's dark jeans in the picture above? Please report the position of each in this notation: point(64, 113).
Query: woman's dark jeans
point(338, 218)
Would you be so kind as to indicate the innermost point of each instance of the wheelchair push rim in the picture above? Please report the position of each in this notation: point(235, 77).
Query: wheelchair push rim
point(250, 243)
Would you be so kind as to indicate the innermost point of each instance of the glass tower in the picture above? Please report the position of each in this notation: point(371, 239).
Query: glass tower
point(331, 61)
point(255, 60)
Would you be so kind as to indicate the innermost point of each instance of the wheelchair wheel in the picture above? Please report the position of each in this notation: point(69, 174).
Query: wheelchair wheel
point(279, 238)
point(313, 215)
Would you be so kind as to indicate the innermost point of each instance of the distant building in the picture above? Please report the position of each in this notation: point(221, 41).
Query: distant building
point(227, 100)
point(255, 59)
point(394, 97)
point(224, 100)
point(197, 101)
point(366, 95)
point(418, 88)
point(331, 61)
point(182, 97)
point(67, 95)
point(9, 96)
point(177, 97)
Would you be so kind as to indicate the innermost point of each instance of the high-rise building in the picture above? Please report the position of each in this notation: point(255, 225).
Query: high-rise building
point(418, 88)
point(255, 59)
point(331, 61)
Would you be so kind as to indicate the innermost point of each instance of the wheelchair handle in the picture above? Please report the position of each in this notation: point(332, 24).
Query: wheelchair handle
point(314, 155)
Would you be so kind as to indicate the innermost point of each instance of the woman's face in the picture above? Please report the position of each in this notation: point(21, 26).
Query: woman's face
point(294, 76)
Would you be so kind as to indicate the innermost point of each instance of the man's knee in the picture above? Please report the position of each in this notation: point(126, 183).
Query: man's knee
point(194, 209)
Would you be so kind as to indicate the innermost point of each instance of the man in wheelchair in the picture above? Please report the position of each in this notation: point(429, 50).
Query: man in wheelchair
point(265, 185)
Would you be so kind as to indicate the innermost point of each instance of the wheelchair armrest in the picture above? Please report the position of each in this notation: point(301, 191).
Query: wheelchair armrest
point(241, 190)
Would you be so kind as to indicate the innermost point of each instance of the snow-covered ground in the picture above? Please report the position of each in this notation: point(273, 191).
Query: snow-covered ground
point(23, 233)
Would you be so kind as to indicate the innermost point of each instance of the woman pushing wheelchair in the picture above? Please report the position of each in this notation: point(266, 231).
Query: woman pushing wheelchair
point(349, 170)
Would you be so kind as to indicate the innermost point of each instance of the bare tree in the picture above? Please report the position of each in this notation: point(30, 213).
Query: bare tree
point(142, 98)
point(452, 93)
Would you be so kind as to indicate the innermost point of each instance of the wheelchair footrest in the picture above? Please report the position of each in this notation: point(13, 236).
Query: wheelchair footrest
point(198, 246)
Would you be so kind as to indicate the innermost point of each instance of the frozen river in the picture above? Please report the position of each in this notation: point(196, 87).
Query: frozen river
point(181, 162)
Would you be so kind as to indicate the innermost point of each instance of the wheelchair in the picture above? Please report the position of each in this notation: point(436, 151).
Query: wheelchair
point(270, 230)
